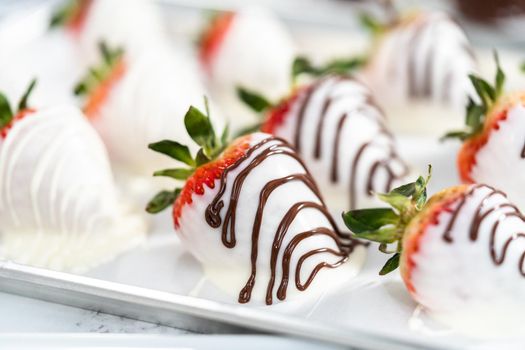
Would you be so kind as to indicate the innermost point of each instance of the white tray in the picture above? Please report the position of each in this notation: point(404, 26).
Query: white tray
point(160, 282)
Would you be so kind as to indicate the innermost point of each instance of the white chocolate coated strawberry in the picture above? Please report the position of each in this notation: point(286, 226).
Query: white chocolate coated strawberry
point(469, 267)
point(262, 203)
point(58, 204)
point(420, 70)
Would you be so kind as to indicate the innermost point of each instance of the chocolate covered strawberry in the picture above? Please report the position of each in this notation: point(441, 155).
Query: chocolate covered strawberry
point(58, 203)
point(135, 102)
point(253, 215)
point(249, 48)
point(461, 253)
point(419, 66)
point(342, 135)
point(493, 149)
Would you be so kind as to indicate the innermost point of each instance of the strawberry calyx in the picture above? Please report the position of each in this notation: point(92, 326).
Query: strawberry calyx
point(71, 15)
point(100, 79)
point(202, 169)
point(387, 225)
point(8, 117)
point(213, 36)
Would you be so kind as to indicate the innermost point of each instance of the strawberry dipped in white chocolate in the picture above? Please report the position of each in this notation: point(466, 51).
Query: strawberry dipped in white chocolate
point(134, 25)
point(58, 205)
point(251, 213)
point(341, 134)
point(135, 102)
point(248, 48)
point(419, 66)
point(493, 150)
point(461, 254)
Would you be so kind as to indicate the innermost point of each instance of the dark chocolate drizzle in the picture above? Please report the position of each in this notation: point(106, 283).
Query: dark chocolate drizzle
point(228, 234)
point(368, 108)
point(523, 152)
point(482, 213)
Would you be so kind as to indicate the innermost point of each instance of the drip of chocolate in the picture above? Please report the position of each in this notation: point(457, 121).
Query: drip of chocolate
point(481, 214)
point(213, 218)
point(368, 108)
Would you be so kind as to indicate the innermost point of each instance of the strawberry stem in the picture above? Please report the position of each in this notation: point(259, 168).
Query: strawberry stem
point(387, 225)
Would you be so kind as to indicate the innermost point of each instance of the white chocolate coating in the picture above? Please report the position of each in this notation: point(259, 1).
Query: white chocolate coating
point(257, 53)
point(459, 282)
point(58, 205)
point(339, 113)
point(499, 162)
point(230, 267)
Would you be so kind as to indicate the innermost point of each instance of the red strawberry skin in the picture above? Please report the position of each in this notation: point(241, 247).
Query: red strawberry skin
point(207, 174)
point(19, 116)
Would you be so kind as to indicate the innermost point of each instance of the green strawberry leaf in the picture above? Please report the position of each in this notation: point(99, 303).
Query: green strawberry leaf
point(201, 158)
point(391, 264)
point(500, 77)
point(174, 150)
point(225, 135)
point(23, 101)
point(198, 126)
point(372, 24)
point(523, 67)
point(255, 101)
point(386, 234)
point(363, 220)
point(177, 173)
point(387, 225)
point(63, 14)
point(6, 113)
point(162, 201)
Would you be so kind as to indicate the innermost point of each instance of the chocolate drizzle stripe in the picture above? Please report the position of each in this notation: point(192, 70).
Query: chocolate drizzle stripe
point(523, 152)
point(228, 235)
point(281, 292)
point(481, 214)
point(335, 154)
point(267, 190)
